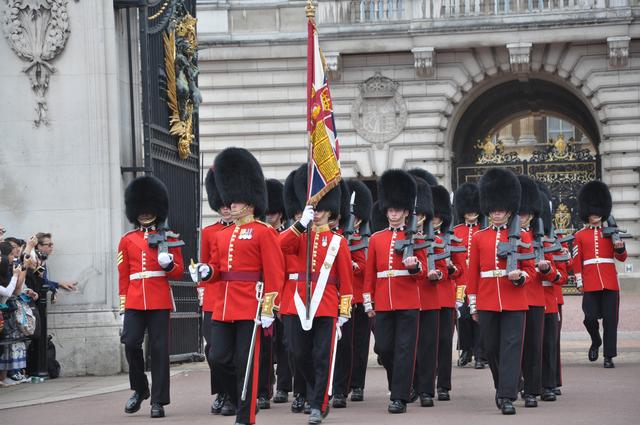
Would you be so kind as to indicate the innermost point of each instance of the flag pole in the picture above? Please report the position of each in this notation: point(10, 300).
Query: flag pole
point(311, 13)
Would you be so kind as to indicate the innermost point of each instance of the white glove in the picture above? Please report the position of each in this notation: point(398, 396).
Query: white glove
point(266, 321)
point(193, 272)
point(201, 269)
point(338, 333)
point(307, 216)
point(342, 320)
point(165, 259)
point(459, 305)
point(367, 304)
point(200, 295)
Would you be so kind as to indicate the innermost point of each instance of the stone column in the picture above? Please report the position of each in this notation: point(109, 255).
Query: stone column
point(527, 134)
point(506, 135)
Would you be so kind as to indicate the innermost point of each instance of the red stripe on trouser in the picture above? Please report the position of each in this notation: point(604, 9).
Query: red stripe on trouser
point(325, 400)
point(255, 376)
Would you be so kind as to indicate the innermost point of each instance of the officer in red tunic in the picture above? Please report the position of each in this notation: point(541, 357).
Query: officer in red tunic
point(353, 347)
point(206, 290)
point(314, 335)
point(466, 202)
point(391, 286)
point(595, 270)
point(427, 355)
point(530, 209)
point(497, 297)
point(456, 265)
point(145, 295)
point(243, 257)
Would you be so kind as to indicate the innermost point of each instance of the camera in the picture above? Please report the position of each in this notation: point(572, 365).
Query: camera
point(42, 256)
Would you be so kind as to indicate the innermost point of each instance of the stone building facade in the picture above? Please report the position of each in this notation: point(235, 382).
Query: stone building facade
point(424, 82)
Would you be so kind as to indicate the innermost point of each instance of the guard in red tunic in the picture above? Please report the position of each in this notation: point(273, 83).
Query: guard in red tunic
point(530, 209)
point(147, 258)
point(206, 290)
point(424, 382)
point(314, 335)
point(353, 347)
point(456, 265)
point(391, 286)
point(594, 266)
point(497, 297)
point(466, 202)
point(245, 262)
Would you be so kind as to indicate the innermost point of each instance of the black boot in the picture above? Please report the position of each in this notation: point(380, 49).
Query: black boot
point(548, 395)
point(507, 408)
point(357, 394)
point(557, 391)
point(339, 401)
point(465, 358)
point(216, 407)
point(593, 351)
point(315, 417)
point(228, 408)
point(307, 408)
point(479, 364)
point(298, 403)
point(397, 406)
point(530, 400)
point(608, 363)
point(281, 397)
point(134, 402)
point(263, 402)
point(426, 400)
point(443, 394)
point(157, 411)
point(413, 395)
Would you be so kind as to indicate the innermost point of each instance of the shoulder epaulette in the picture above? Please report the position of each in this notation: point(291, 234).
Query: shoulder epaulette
point(262, 222)
point(130, 231)
point(379, 231)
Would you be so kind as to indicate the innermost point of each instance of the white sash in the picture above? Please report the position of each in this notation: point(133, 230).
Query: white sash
point(321, 284)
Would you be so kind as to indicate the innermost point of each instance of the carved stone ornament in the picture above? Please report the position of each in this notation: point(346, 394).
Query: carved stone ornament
point(519, 56)
point(37, 31)
point(379, 112)
point(618, 51)
point(423, 58)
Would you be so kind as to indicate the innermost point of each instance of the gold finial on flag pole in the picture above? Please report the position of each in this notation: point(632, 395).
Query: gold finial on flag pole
point(310, 9)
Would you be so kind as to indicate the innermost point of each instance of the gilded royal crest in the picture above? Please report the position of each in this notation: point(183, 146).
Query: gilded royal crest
point(562, 217)
point(491, 151)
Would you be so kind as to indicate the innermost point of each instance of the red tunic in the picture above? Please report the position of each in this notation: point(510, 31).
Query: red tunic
point(563, 267)
point(447, 285)
point(207, 237)
point(431, 292)
point(339, 282)
point(392, 292)
point(535, 288)
point(141, 279)
point(551, 285)
point(600, 271)
point(241, 255)
point(464, 232)
point(360, 259)
point(496, 293)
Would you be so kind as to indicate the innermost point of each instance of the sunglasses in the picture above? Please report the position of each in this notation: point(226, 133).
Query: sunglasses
point(46, 244)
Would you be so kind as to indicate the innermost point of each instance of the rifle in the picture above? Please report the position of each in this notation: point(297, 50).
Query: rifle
point(159, 239)
point(484, 223)
point(611, 230)
point(539, 239)
point(349, 231)
point(509, 250)
point(364, 233)
point(406, 246)
point(557, 244)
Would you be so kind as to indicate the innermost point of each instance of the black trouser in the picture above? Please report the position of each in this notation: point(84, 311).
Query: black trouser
point(313, 354)
point(396, 337)
point(549, 353)
point(299, 384)
point(532, 356)
point(229, 355)
point(445, 346)
point(559, 356)
point(603, 305)
point(283, 371)
point(216, 387)
point(503, 335)
point(469, 333)
point(266, 378)
point(157, 324)
point(427, 355)
point(344, 361)
point(361, 337)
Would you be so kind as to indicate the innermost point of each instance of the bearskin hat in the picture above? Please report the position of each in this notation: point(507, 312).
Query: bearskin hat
point(239, 178)
point(424, 202)
point(530, 199)
point(442, 205)
point(363, 200)
point(213, 197)
point(545, 212)
point(424, 175)
point(594, 198)
point(396, 189)
point(331, 201)
point(499, 190)
point(543, 188)
point(292, 205)
point(345, 200)
point(466, 199)
point(275, 197)
point(379, 219)
point(146, 195)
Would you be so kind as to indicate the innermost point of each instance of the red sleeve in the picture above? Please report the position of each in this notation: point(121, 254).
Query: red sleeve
point(204, 247)
point(272, 262)
point(371, 271)
point(360, 259)
point(550, 274)
point(577, 257)
point(460, 261)
point(473, 271)
point(123, 267)
point(561, 271)
point(214, 259)
point(345, 269)
point(620, 257)
point(527, 266)
point(290, 241)
point(421, 255)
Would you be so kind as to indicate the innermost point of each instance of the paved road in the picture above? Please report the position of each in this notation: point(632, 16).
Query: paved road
point(592, 395)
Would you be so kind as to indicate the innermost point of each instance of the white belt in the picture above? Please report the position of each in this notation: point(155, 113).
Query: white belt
point(598, 261)
point(146, 275)
point(393, 273)
point(493, 273)
point(293, 276)
point(546, 283)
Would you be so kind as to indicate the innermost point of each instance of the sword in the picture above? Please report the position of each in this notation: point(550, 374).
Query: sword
point(333, 360)
point(256, 324)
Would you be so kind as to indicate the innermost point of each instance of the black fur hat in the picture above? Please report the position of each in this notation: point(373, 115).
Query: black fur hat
point(594, 198)
point(545, 212)
point(363, 200)
point(530, 199)
point(275, 197)
point(543, 188)
point(239, 178)
point(379, 220)
point(146, 194)
point(330, 201)
point(345, 199)
point(442, 205)
point(292, 205)
point(425, 198)
point(212, 192)
point(499, 190)
point(466, 199)
point(424, 175)
point(396, 189)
